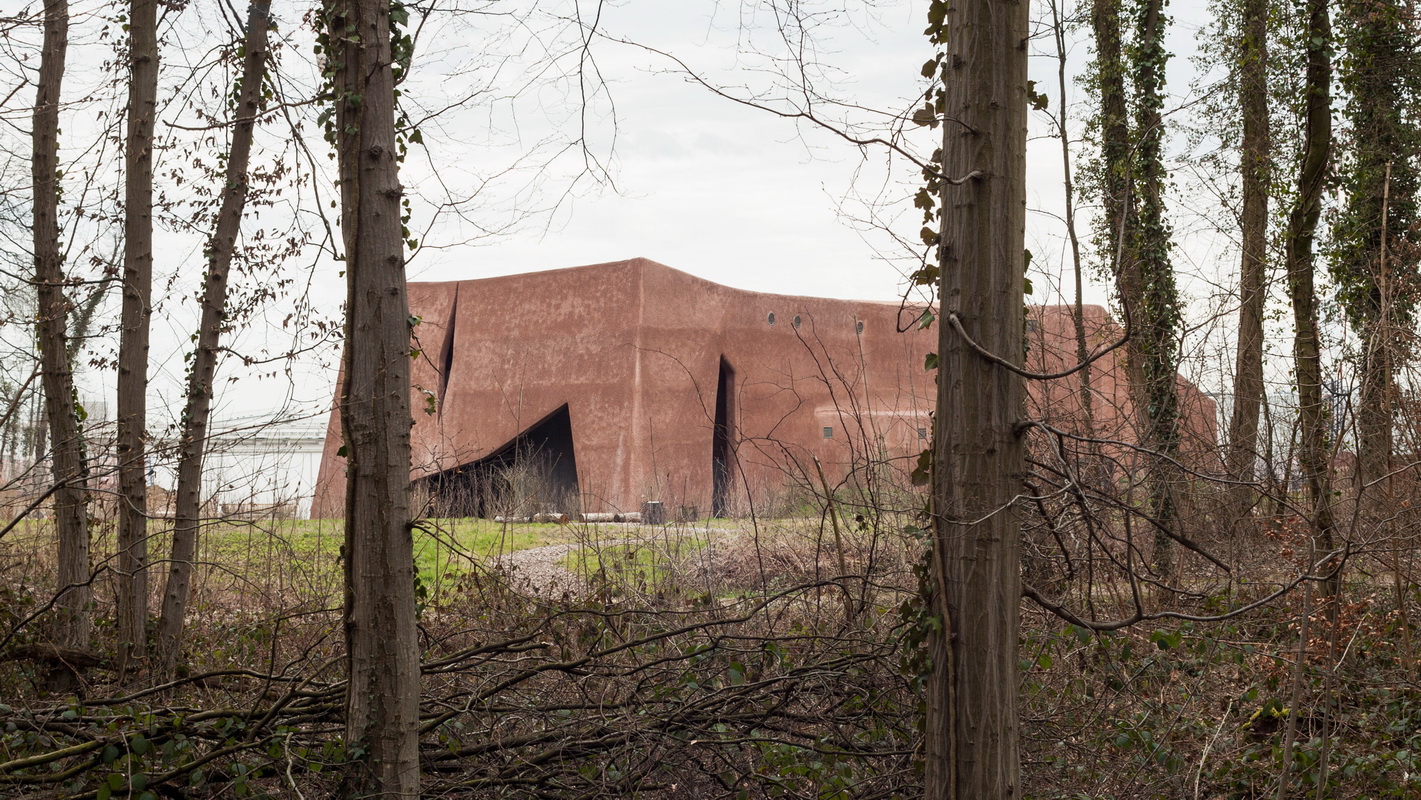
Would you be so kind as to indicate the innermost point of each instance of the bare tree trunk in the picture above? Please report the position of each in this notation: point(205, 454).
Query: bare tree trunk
point(198, 407)
point(1078, 305)
point(81, 318)
point(1374, 414)
point(133, 336)
point(39, 423)
point(382, 699)
point(972, 727)
point(1295, 695)
point(70, 473)
point(1302, 226)
point(1254, 169)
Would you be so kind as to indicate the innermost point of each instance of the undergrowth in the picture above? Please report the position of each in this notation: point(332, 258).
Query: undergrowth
point(700, 662)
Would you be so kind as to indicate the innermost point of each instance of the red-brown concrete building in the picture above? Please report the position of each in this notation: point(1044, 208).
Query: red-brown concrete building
point(599, 388)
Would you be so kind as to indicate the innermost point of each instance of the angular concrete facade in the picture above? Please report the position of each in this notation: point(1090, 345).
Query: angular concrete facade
point(630, 382)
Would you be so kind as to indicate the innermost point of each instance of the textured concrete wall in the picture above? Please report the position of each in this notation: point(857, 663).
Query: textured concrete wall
point(634, 350)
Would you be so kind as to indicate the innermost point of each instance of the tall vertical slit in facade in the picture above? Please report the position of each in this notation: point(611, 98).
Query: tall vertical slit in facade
point(446, 352)
point(723, 441)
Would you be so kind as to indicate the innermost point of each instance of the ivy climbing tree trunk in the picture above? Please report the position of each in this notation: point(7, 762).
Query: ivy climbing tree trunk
point(1302, 227)
point(133, 336)
point(1254, 160)
point(198, 405)
point(972, 727)
point(1374, 252)
point(67, 457)
point(1117, 195)
point(1156, 298)
point(1136, 239)
point(382, 701)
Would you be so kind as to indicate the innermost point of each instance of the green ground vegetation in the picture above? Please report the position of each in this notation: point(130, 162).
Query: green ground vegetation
point(642, 565)
point(281, 555)
point(790, 678)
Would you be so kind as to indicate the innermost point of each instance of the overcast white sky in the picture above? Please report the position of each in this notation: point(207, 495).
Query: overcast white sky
point(734, 194)
point(702, 184)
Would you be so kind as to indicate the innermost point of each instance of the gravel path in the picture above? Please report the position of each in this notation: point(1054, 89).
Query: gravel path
point(539, 570)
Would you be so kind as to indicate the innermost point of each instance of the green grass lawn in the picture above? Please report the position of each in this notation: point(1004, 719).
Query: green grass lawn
point(289, 557)
point(442, 547)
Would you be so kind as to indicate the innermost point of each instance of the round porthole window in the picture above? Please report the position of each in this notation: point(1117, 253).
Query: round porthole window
point(796, 320)
point(859, 326)
point(771, 318)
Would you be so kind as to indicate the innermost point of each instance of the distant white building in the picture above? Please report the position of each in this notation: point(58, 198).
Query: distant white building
point(260, 466)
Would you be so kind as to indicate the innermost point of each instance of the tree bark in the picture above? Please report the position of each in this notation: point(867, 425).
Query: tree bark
point(69, 470)
point(1302, 227)
point(133, 336)
point(972, 726)
point(382, 699)
point(1254, 160)
point(198, 405)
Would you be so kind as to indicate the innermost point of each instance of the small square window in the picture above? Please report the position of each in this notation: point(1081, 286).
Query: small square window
point(922, 433)
point(828, 432)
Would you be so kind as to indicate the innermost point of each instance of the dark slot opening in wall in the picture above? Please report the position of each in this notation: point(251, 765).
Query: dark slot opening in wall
point(534, 473)
point(446, 351)
point(723, 441)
